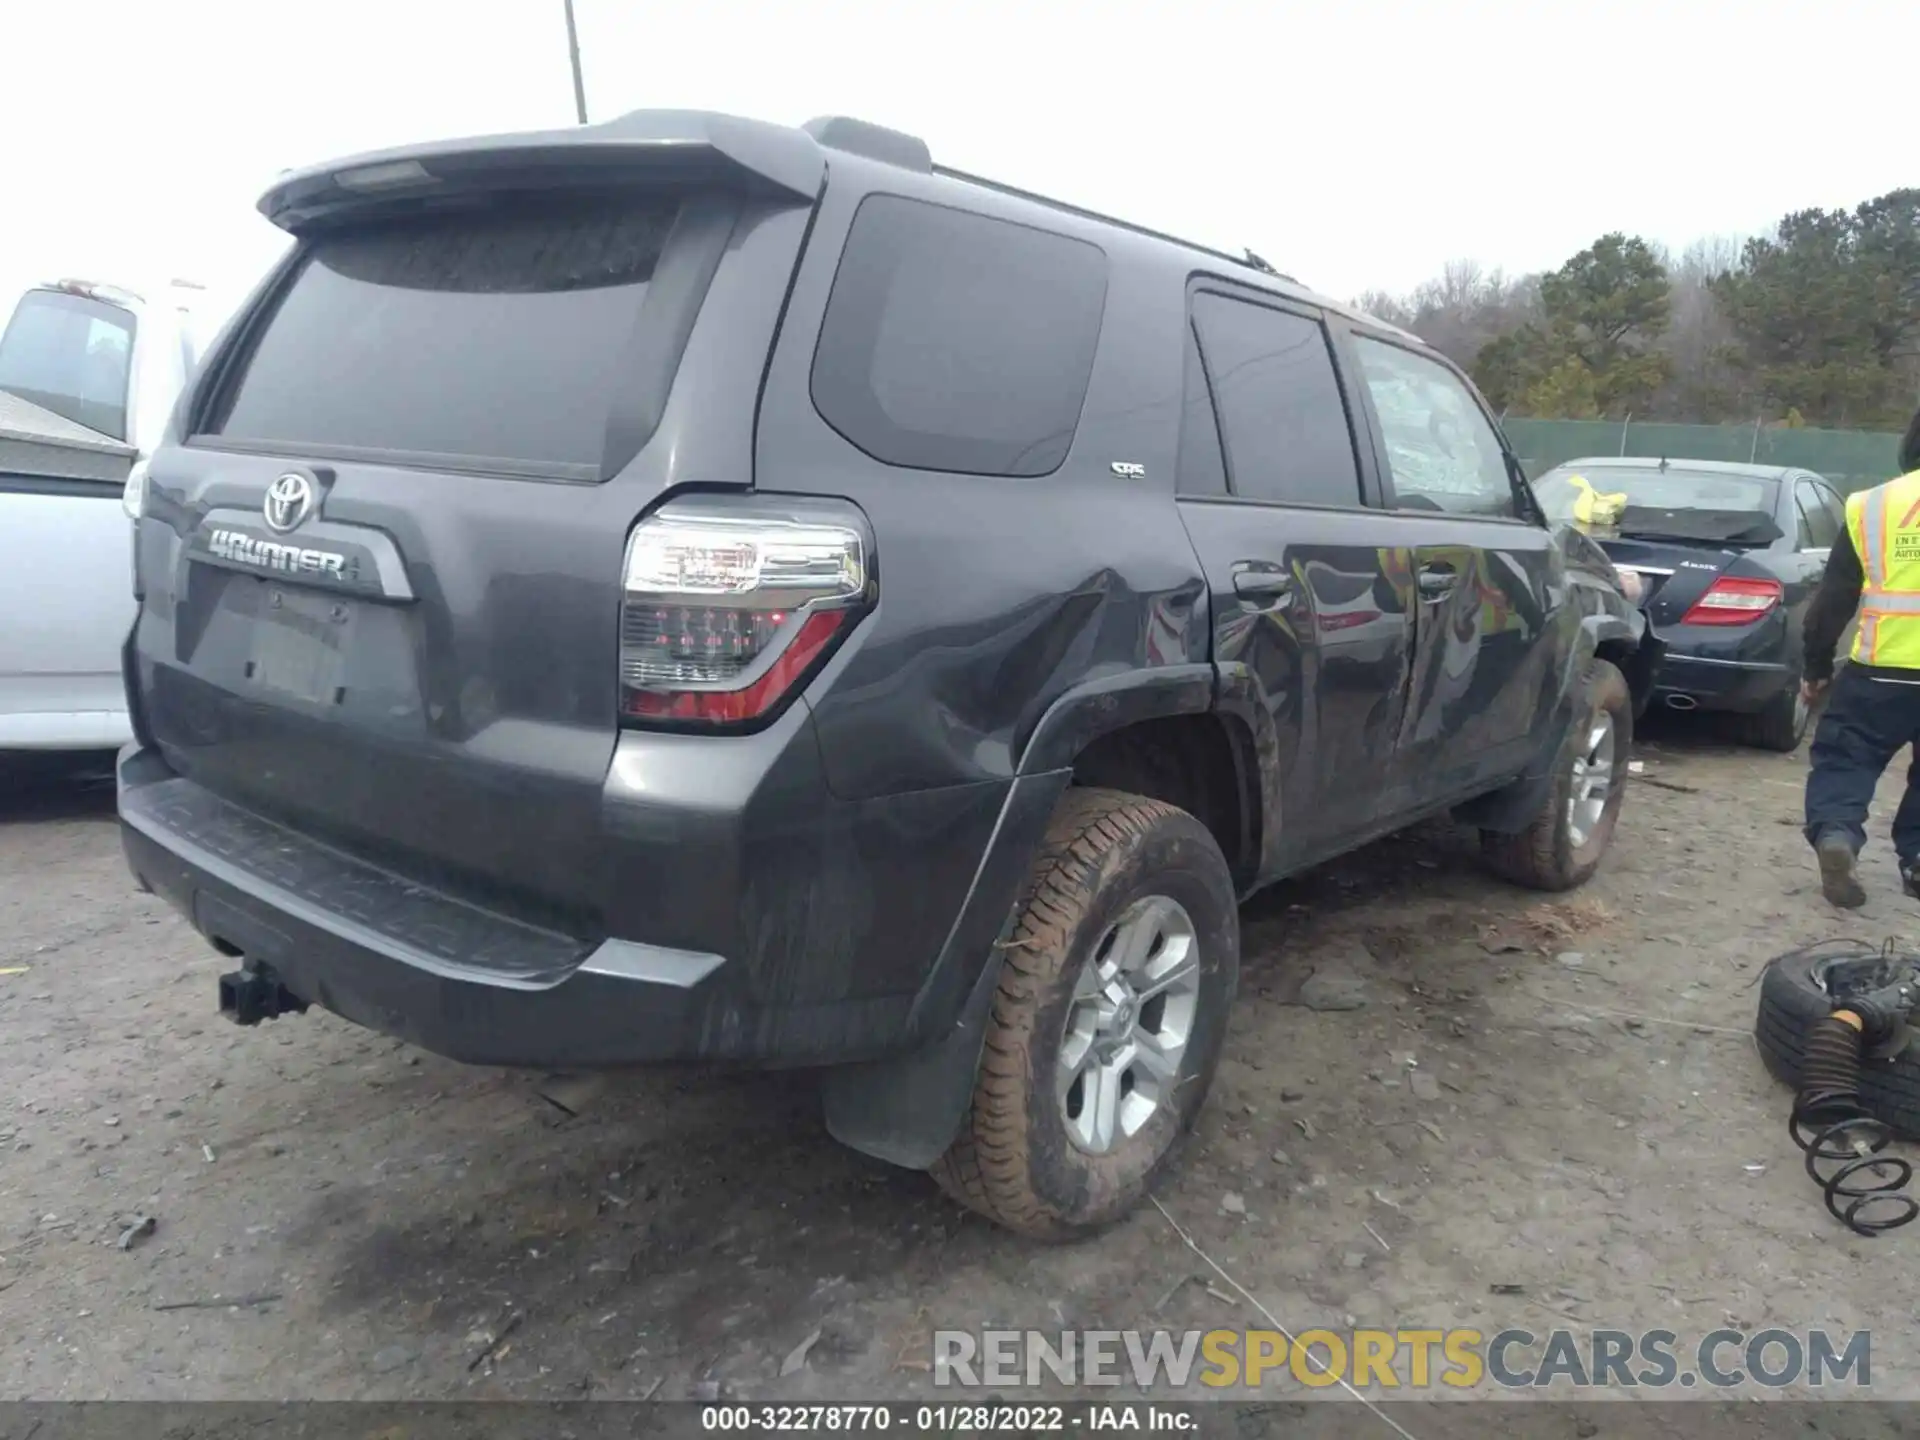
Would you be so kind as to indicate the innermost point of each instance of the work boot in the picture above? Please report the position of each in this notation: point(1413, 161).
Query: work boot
point(1910, 877)
point(1837, 879)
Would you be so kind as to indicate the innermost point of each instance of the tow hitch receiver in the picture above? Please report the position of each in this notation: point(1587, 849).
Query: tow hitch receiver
point(249, 996)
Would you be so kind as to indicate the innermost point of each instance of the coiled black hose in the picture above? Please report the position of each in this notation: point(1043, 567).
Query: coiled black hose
point(1832, 1127)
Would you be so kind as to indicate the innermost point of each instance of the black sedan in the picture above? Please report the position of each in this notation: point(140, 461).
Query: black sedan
point(1723, 559)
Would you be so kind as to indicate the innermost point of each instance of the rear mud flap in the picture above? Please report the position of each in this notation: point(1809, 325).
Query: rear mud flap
point(907, 1111)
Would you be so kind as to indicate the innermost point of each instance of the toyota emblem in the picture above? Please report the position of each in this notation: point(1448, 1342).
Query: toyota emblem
point(289, 501)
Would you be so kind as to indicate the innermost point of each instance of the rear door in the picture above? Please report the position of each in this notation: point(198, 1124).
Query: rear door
point(382, 579)
point(1484, 571)
point(1274, 496)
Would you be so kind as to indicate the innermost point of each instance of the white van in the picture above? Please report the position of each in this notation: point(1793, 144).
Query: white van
point(88, 376)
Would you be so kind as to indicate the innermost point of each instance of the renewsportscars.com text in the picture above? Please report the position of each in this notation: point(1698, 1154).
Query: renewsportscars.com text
point(1403, 1359)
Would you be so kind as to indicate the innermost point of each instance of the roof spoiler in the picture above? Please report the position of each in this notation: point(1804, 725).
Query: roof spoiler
point(646, 146)
point(95, 290)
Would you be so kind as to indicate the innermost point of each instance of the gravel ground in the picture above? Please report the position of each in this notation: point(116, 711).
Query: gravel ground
point(1541, 1114)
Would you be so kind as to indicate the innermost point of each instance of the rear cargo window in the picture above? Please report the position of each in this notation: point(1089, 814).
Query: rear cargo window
point(491, 336)
point(70, 354)
point(956, 342)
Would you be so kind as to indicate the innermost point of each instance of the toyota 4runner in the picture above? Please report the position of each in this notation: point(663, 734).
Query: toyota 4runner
point(687, 588)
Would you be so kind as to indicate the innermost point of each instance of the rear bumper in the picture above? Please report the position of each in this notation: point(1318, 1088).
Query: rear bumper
point(65, 730)
point(1712, 684)
point(483, 987)
point(63, 712)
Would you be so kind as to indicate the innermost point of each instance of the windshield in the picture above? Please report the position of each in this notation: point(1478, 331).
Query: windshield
point(70, 354)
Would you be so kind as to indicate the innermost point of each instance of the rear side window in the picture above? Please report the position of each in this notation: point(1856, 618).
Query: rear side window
point(1282, 420)
point(956, 342)
point(1822, 532)
point(70, 354)
point(1836, 509)
point(1203, 471)
point(489, 336)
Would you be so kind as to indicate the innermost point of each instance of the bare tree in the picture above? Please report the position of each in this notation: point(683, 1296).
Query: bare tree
point(1699, 335)
point(1459, 310)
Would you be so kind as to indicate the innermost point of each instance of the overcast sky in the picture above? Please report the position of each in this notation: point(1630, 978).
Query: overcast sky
point(1354, 145)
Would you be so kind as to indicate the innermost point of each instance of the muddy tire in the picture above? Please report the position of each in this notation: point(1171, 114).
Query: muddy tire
point(1562, 847)
point(1107, 1024)
point(1791, 999)
point(1782, 725)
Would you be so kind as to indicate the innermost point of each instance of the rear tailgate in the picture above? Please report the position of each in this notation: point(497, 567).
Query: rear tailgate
point(382, 578)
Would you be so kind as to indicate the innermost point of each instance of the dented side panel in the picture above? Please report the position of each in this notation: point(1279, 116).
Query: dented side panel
point(999, 597)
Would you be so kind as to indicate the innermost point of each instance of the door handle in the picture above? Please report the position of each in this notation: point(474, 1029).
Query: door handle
point(1262, 584)
point(1436, 581)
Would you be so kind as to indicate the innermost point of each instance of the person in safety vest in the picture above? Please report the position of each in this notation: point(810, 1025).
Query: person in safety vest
point(1875, 706)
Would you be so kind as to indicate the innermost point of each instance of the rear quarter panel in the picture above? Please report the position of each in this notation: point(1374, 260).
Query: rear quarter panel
point(998, 597)
point(66, 591)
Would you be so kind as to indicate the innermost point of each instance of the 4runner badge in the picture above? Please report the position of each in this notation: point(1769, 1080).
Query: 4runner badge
point(239, 548)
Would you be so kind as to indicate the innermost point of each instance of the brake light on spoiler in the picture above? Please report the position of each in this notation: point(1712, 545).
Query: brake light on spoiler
point(1734, 600)
point(727, 612)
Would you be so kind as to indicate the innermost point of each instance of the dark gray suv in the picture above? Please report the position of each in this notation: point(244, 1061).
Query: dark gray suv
point(687, 588)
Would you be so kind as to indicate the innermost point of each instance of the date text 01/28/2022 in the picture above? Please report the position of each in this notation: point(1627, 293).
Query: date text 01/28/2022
point(944, 1419)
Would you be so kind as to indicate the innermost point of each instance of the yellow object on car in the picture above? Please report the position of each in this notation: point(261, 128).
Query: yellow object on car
point(1590, 507)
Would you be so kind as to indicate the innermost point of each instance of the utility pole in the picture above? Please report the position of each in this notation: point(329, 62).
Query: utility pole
point(573, 52)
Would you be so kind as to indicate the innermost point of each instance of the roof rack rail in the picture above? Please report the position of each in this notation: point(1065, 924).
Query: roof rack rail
point(1246, 259)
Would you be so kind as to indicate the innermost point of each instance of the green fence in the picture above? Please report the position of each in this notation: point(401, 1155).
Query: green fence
point(1850, 459)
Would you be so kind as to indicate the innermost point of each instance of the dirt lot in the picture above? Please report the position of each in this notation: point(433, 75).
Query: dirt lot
point(1558, 1097)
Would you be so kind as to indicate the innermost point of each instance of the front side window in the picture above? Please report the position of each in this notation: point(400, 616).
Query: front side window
point(957, 342)
point(1441, 451)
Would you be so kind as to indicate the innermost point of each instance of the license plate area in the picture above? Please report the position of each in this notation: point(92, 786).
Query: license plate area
point(300, 644)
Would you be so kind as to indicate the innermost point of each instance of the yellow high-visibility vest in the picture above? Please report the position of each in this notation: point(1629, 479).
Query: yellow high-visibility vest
point(1884, 523)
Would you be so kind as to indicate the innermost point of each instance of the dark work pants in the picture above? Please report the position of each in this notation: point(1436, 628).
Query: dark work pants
point(1865, 724)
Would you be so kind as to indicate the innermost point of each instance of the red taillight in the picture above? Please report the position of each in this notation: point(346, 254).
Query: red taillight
point(732, 707)
point(726, 613)
point(1734, 600)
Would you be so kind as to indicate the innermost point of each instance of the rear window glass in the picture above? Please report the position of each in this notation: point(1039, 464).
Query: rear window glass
point(490, 336)
point(956, 342)
point(1570, 494)
point(70, 354)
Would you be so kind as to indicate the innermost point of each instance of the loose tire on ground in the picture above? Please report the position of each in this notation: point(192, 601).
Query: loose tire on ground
point(1545, 855)
point(1791, 999)
point(1015, 1160)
